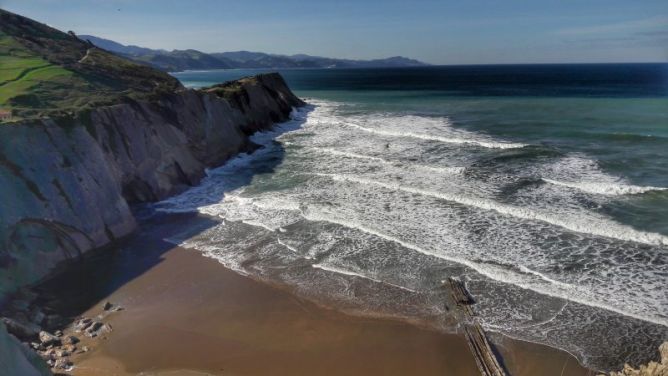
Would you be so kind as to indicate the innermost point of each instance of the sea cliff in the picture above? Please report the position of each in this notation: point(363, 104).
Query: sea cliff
point(68, 183)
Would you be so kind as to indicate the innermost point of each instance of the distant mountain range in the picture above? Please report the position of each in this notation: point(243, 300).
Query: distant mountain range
point(179, 60)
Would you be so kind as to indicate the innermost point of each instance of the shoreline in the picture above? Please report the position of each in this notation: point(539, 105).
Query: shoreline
point(186, 313)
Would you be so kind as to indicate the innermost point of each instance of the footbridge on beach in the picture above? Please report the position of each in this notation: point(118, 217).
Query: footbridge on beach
point(483, 353)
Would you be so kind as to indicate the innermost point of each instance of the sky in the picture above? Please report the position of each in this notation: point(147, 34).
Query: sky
point(437, 32)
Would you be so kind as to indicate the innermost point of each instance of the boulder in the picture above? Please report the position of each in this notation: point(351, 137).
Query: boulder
point(48, 339)
point(24, 332)
point(69, 340)
point(62, 353)
point(93, 328)
point(106, 328)
point(37, 346)
point(63, 363)
point(82, 324)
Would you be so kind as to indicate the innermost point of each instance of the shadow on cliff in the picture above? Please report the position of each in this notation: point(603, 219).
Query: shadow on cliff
point(80, 284)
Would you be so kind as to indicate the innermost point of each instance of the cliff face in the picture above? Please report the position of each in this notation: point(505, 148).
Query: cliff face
point(67, 184)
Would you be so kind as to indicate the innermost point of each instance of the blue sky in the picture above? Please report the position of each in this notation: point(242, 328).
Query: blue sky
point(438, 32)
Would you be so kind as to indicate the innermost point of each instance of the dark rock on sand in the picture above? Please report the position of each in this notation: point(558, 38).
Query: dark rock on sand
point(37, 346)
point(62, 353)
point(24, 332)
point(70, 340)
point(82, 324)
point(48, 339)
point(63, 364)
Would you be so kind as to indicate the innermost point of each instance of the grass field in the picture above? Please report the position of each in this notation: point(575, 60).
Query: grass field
point(13, 67)
point(21, 71)
point(45, 72)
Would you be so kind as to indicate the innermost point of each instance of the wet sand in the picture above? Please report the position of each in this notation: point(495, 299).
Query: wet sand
point(188, 315)
point(189, 312)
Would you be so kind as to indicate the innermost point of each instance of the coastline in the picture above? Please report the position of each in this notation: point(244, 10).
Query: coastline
point(412, 212)
point(187, 314)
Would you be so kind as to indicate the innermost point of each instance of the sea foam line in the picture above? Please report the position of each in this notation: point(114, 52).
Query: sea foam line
point(460, 141)
point(353, 274)
point(609, 230)
point(291, 248)
point(610, 189)
point(446, 170)
point(563, 290)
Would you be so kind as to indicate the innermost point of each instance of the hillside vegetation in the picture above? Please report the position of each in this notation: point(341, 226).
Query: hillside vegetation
point(45, 72)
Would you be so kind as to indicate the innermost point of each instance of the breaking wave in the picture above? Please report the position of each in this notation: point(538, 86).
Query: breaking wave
point(357, 196)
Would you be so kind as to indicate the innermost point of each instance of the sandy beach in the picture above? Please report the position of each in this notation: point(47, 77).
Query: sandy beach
point(185, 314)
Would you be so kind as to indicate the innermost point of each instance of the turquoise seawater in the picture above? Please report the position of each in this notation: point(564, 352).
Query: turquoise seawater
point(544, 187)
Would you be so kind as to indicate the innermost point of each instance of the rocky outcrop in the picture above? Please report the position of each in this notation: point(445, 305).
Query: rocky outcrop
point(17, 359)
point(651, 369)
point(67, 183)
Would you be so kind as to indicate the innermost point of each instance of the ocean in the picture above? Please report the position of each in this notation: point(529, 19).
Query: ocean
point(544, 187)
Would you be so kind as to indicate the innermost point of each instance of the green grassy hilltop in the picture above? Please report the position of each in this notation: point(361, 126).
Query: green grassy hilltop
point(45, 72)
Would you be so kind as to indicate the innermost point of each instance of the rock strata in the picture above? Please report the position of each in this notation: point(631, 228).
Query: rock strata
point(72, 180)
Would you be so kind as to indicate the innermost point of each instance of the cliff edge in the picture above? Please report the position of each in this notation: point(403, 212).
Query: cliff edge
point(70, 180)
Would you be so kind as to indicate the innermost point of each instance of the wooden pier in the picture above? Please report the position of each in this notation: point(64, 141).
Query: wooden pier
point(480, 347)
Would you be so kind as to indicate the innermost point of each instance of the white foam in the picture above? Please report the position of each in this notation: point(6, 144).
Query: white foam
point(450, 140)
point(611, 189)
point(353, 274)
point(443, 170)
point(577, 171)
point(606, 229)
point(559, 290)
point(291, 248)
point(260, 224)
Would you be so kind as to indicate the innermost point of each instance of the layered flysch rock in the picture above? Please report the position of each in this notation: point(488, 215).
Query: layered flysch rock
point(66, 184)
